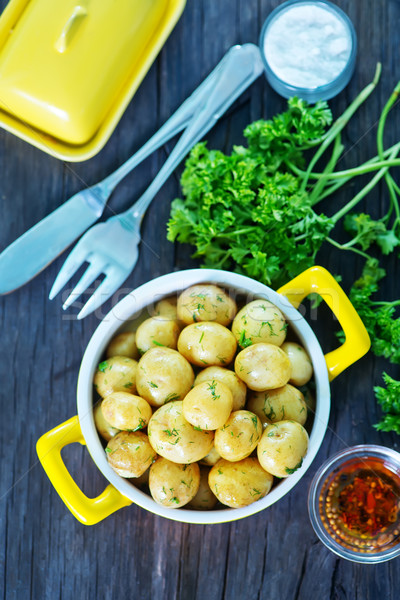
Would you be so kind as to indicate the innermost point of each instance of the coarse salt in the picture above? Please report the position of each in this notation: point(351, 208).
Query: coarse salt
point(307, 45)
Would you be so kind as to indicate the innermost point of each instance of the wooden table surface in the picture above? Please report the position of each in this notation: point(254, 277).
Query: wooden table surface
point(45, 553)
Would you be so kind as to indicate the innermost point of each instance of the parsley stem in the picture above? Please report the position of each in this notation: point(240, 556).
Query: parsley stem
point(332, 189)
point(367, 188)
point(341, 122)
point(394, 97)
point(371, 165)
point(344, 247)
point(340, 178)
point(366, 168)
point(396, 187)
point(237, 231)
point(385, 303)
point(352, 242)
point(321, 183)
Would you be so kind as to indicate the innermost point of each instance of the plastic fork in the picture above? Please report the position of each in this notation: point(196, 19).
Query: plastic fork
point(111, 248)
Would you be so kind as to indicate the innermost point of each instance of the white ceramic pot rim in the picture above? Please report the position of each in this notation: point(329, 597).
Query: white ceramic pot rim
point(149, 294)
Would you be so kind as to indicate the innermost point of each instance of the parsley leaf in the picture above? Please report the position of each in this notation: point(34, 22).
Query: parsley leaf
point(235, 211)
point(291, 471)
point(389, 400)
point(379, 317)
point(103, 366)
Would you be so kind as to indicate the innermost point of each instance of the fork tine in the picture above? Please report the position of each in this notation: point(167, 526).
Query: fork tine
point(114, 278)
point(69, 268)
point(92, 272)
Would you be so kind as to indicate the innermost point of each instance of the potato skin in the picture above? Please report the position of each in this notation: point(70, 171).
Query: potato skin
point(204, 499)
point(259, 321)
point(208, 405)
point(302, 369)
point(229, 378)
point(207, 343)
point(211, 458)
point(282, 448)
point(157, 331)
point(286, 402)
point(263, 367)
point(130, 453)
point(255, 404)
point(173, 485)
point(239, 436)
point(206, 302)
point(103, 427)
point(126, 411)
point(309, 399)
point(116, 374)
point(123, 344)
point(142, 482)
point(163, 375)
point(167, 308)
point(174, 438)
point(218, 447)
point(241, 483)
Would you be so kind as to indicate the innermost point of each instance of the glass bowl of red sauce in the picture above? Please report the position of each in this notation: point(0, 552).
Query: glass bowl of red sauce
point(354, 503)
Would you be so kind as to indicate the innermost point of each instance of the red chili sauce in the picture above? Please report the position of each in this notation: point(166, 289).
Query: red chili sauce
point(360, 505)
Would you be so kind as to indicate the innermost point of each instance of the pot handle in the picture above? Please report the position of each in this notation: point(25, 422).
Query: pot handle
point(320, 281)
point(87, 510)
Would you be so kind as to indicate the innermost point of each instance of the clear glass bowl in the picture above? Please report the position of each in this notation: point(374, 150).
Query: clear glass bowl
point(289, 43)
point(330, 521)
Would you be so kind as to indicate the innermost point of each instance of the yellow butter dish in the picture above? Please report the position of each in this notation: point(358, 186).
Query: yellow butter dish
point(69, 69)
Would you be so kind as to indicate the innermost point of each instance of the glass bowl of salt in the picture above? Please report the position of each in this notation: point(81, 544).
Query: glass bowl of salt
point(309, 49)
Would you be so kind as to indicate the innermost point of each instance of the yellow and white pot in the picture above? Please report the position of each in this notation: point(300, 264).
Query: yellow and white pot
point(81, 428)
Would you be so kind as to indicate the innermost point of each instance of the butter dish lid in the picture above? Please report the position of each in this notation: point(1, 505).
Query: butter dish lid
point(68, 69)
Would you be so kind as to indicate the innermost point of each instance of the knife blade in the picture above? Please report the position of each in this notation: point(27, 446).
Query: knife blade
point(40, 245)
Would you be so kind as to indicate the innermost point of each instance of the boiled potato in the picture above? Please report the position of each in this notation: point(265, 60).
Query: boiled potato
point(208, 405)
point(173, 437)
point(302, 369)
point(103, 427)
point(126, 411)
point(167, 308)
point(173, 485)
point(211, 458)
point(123, 344)
point(263, 367)
point(259, 321)
point(282, 448)
point(116, 374)
point(204, 499)
point(157, 331)
point(142, 482)
point(286, 402)
point(207, 343)
point(241, 483)
point(130, 453)
point(309, 399)
point(206, 302)
point(209, 423)
point(255, 404)
point(229, 378)
point(163, 375)
point(239, 436)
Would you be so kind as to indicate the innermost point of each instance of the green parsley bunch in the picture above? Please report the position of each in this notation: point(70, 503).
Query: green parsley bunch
point(254, 210)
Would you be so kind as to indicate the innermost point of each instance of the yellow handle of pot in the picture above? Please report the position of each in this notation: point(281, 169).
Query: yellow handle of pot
point(320, 281)
point(87, 510)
